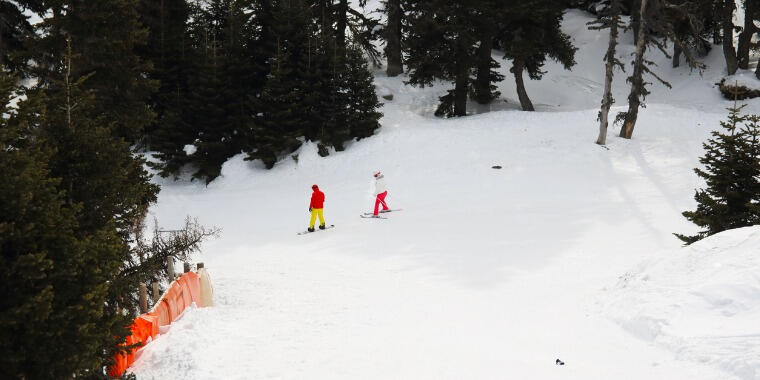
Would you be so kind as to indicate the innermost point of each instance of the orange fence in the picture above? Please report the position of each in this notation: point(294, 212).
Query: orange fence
point(188, 288)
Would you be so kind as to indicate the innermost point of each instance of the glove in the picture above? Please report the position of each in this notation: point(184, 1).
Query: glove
point(309, 209)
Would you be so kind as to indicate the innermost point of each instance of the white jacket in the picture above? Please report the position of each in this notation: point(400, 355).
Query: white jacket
point(380, 185)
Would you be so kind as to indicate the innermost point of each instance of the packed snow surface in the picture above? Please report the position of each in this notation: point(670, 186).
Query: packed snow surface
point(566, 252)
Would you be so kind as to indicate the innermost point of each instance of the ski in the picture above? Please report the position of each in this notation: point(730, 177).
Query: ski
point(370, 216)
point(384, 211)
point(316, 229)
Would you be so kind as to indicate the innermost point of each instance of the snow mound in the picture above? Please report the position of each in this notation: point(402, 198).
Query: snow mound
point(702, 301)
point(744, 78)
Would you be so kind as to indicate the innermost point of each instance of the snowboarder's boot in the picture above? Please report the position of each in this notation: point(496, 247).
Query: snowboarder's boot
point(310, 229)
point(321, 226)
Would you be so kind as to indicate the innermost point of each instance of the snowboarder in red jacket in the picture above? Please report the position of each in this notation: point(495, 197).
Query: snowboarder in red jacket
point(316, 207)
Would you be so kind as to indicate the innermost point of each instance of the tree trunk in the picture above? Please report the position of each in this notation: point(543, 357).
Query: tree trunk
point(727, 24)
point(341, 32)
point(517, 69)
point(393, 39)
point(745, 37)
point(609, 71)
point(637, 80)
point(676, 55)
point(460, 85)
point(483, 93)
point(635, 19)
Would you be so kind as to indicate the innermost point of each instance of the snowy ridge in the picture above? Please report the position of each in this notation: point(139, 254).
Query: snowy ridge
point(702, 301)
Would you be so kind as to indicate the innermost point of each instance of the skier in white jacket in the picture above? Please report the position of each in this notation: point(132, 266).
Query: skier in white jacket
point(380, 192)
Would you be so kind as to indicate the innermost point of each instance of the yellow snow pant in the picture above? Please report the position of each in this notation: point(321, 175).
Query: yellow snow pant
point(317, 212)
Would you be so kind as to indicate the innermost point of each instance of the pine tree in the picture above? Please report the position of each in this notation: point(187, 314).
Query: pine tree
point(229, 45)
point(363, 105)
point(393, 35)
point(483, 89)
point(284, 109)
point(103, 181)
point(15, 30)
point(732, 175)
point(442, 45)
point(529, 34)
point(168, 49)
point(106, 35)
point(54, 274)
point(277, 126)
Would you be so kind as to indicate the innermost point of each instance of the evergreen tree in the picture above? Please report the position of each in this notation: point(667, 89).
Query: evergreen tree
point(483, 89)
point(96, 167)
point(229, 45)
point(106, 35)
point(99, 175)
point(392, 34)
point(279, 124)
point(14, 31)
point(530, 32)
point(732, 175)
point(442, 45)
point(54, 275)
point(168, 50)
point(691, 29)
point(363, 105)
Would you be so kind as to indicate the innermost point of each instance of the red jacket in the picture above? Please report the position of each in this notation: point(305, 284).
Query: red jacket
point(317, 199)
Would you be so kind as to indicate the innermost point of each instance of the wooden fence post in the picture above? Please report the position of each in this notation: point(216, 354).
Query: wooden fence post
point(199, 266)
point(143, 298)
point(187, 267)
point(170, 268)
point(156, 296)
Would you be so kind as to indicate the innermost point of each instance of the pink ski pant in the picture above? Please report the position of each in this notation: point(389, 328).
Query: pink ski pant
point(380, 200)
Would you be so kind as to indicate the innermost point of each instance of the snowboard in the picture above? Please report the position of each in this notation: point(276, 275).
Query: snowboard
point(370, 216)
point(316, 229)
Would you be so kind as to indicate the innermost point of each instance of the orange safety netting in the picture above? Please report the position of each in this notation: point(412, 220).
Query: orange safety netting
point(181, 294)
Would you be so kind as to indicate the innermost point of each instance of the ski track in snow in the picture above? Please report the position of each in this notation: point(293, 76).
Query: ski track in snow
point(487, 274)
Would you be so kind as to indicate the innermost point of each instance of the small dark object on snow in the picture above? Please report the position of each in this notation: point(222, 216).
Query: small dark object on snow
point(559, 362)
point(388, 97)
point(496, 167)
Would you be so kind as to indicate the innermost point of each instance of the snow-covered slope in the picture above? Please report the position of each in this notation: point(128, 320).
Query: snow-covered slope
point(486, 273)
point(702, 302)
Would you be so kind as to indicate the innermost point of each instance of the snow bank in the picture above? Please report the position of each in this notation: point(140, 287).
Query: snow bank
point(702, 301)
point(744, 78)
